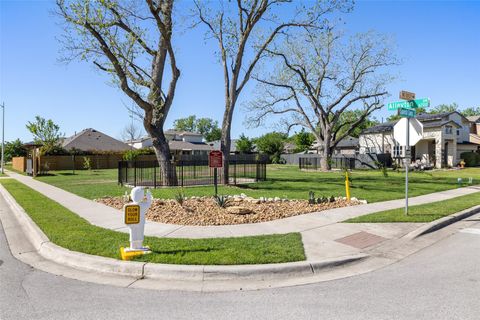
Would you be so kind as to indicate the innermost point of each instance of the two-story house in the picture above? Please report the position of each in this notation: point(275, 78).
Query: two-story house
point(180, 143)
point(445, 137)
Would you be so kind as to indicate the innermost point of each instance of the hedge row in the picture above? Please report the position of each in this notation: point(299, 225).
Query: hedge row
point(472, 159)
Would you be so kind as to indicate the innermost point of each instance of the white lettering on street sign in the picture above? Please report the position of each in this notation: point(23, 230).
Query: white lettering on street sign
point(410, 104)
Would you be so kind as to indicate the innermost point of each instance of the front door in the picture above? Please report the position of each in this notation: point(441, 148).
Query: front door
point(412, 154)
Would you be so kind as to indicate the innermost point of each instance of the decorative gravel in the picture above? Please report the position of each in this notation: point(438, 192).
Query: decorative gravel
point(204, 211)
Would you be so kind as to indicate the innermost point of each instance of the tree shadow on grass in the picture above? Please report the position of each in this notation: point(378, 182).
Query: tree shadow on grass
point(182, 251)
point(430, 216)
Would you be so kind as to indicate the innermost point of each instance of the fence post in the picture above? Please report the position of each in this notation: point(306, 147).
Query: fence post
point(154, 176)
point(181, 169)
point(234, 172)
point(119, 173)
point(134, 173)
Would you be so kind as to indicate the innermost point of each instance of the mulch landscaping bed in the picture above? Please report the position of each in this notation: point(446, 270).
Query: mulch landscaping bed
point(204, 211)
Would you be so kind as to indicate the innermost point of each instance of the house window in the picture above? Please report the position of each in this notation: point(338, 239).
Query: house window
point(458, 132)
point(397, 151)
point(448, 129)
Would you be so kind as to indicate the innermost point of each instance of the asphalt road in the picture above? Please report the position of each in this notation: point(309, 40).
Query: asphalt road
point(440, 282)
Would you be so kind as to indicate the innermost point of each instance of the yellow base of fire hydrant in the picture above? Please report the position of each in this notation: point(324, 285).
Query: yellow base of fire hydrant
point(129, 254)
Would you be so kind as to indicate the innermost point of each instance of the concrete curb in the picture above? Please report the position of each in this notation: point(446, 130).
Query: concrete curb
point(442, 223)
point(142, 270)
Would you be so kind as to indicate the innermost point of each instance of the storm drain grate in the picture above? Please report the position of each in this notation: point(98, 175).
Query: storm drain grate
point(361, 240)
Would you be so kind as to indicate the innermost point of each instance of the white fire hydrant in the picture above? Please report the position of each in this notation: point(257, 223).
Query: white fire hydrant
point(135, 220)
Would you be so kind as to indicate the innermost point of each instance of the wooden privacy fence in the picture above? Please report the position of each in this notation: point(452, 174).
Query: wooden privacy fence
point(19, 163)
point(77, 162)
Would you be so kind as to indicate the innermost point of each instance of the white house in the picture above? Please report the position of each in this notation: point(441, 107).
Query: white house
point(445, 137)
point(180, 143)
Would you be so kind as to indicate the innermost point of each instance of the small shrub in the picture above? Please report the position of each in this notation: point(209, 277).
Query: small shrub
point(331, 199)
point(222, 201)
point(322, 199)
point(180, 197)
point(87, 163)
point(130, 155)
point(384, 171)
point(311, 197)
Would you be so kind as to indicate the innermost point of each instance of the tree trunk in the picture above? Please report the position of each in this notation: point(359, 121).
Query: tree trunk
point(325, 163)
point(168, 172)
point(226, 141)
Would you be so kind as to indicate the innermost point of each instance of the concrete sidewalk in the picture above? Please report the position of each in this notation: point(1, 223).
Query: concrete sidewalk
point(322, 234)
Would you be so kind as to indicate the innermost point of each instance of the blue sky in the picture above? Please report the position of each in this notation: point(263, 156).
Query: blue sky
point(439, 42)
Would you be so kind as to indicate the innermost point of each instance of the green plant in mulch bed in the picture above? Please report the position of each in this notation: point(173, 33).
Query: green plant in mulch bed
point(222, 201)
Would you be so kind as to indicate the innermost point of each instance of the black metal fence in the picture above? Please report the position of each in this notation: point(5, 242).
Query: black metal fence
point(314, 163)
point(191, 171)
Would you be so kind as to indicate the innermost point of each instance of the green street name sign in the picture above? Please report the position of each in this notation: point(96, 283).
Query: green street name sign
point(408, 113)
point(410, 104)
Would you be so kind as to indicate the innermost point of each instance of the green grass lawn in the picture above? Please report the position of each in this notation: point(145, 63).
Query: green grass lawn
point(422, 213)
point(283, 181)
point(70, 231)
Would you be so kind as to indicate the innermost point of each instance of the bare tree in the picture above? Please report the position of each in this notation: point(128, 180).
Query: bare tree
point(132, 42)
point(244, 29)
point(131, 132)
point(319, 78)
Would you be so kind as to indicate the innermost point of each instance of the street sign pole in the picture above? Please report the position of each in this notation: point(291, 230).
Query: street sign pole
point(407, 109)
point(407, 155)
point(215, 161)
point(215, 181)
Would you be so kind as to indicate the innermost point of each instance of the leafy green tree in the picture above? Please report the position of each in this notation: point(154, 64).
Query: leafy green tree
point(350, 116)
point(209, 129)
point(14, 149)
point(45, 132)
point(471, 112)
point(444, 108)
point(205, 126)
point(272, 144)
point(244, 144)
point(185, 124)
point(303, 140)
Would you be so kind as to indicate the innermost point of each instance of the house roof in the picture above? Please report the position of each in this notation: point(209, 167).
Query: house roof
point(435, 124)
point(428, 121)
point(348, 142)
point(474, 118)
point(474, 138)
point(379, 128)
point(433, 116)
point(183, 145)
point(93, 140)
point(182, 133)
